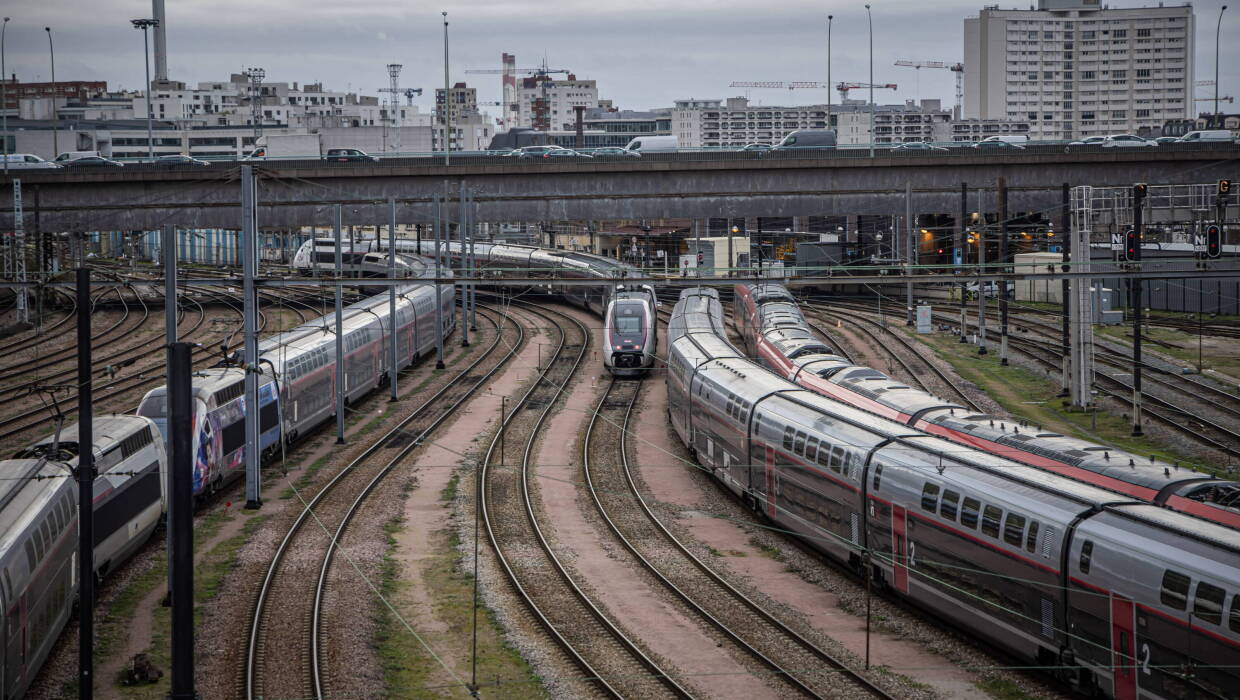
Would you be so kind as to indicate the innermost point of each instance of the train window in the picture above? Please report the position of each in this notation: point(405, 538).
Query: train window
point(991, 517)
point(878, 476)
point(1175, 589)
point(930, 497)
point(1031, 538)
point(788, 433)
point(947, 508)
point(1014, 529)
point(1208, 603)
point(1086, 556)
point(968, 512)
point(31, 556)
point(837, 456)
point(799, 447)
point(811, 449)
point(1233, 620)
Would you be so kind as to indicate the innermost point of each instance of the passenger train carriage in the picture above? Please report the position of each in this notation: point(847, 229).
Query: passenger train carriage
point(38, 531)
point(776, 333)
point(1124, 599)
point(297, 387)
point(630, 331)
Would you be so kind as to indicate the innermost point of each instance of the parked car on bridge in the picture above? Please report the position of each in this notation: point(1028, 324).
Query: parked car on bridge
point(613, 152)
point(74, 155)
point(526, 152)
point(26, 161)
point(805, 140)
point(1164, 140)
point(565, 153)
point(1209, 135)
point(917, 146)
point(1115, 141)
point(1015, 142)
point(346, 155)
point(179, 159)
point(759, 147)
point(92, 162)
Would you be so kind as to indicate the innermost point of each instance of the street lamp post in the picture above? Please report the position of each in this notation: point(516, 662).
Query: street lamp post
point(51, 48)
point(869, 18)
point(830, 18)
point(4, 100)
point(145, 24)
point(447, 98)
point(1217, 29)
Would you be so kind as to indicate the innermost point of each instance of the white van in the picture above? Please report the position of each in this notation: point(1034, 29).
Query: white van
point(1212, 135)
point(651, 144)
point(74, 155)
point(25, 161)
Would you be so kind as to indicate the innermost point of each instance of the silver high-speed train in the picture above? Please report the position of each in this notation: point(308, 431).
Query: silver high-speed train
point(548, 270)
point(777, 334)
point(38, 531)
point(1119, 598)
point(631, 331)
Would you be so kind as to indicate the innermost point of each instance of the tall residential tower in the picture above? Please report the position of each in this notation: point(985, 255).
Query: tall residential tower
point(1073, 68)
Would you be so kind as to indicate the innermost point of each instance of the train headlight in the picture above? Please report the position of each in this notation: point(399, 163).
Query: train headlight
point(619, 347)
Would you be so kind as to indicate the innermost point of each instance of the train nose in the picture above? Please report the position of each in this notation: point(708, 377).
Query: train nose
point(626, 360)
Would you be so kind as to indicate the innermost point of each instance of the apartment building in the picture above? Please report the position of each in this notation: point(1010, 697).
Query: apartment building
point(1076, 68)
point(734, 122)
point(546, 104)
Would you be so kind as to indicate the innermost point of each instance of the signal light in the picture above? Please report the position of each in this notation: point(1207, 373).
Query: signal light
point(940, 251)
point(1224, 186)
point(1132, 246)
point(1214, 241)
point(1139, 190)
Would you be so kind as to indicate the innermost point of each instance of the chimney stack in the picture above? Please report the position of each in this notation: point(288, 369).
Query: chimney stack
point(161, 43)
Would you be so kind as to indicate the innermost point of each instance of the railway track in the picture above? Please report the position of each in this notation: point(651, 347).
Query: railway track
point(609, 660)
point(1177, 415)
point(791, 659)
point(286, 645)
point(865, 324)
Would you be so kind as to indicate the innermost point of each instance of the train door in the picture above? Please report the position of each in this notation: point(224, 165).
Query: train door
point(899, 548)
point(1123, 649)
point(771, 509)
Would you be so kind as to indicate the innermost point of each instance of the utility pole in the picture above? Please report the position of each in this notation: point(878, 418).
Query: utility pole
point(51, 48)
point(19, 253)
point(1065, 232)
point(255, 76)
point(1138, 206)
point(962, 252)
point(181, 525)
point(86, 493)
point(249, 303)
point(981, 270)
point(1003, 257)
point(392, 295)
point(438, 273)
point(1081, 299)
point(870, 20)
point(464, 260)
point(830, 19)
point(340, 385)
point(908, 252)
point(145, 25)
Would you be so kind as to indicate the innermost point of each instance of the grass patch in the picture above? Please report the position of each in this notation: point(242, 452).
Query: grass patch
point(209, 574)
point(409, 669)
point(1219, 354)
point(1034, 398)
point(1001, 688)
point(766, 549)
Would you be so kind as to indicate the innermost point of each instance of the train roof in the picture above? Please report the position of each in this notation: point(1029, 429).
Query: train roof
point(20, 491)
point(1182, 525)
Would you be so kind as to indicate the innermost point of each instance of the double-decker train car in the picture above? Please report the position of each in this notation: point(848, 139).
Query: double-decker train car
point(1120, 598)
point(297, 385)
point(630, 331)
point(38, 531)
point(776, 333)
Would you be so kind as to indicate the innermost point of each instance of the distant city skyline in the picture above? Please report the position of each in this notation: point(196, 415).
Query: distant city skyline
point(643, 56)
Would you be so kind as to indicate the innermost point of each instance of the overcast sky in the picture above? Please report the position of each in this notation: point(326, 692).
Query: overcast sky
point(643, 53)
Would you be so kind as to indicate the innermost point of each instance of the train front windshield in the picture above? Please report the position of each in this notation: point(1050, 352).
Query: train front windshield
point(626, 320)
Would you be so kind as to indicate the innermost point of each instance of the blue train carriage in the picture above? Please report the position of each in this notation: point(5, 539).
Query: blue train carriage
point(38, 530)
point(218, 423)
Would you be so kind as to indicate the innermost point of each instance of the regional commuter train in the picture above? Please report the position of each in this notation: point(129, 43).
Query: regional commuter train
point(1121, 599)
point(554, 271)
point(297, 388)
point(630, 331)
point(777, 334)
point(38, 531)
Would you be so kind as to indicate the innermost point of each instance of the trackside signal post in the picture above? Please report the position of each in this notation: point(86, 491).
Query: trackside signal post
point(1132, 254)
point(249, 261)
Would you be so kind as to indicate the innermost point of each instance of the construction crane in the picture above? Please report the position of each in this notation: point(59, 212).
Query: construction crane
point(410, 93)
point(1225, 98)
point(796, 85)
point(843, 88)
point(957, 68)
point(544, 70)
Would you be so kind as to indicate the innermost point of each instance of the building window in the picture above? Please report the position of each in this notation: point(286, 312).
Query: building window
point(1087, 75)
point(1143, 113)
point(1143, 32)
point(1143, 72)
point(1119, 114)
point(1119, 34)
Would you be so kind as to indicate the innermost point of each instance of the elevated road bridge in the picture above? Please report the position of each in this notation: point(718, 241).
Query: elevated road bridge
point(682, 185)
